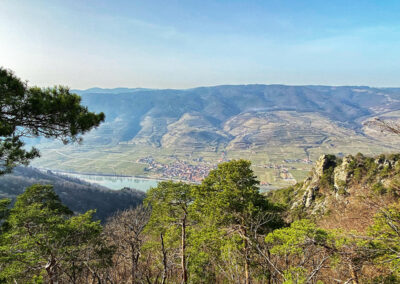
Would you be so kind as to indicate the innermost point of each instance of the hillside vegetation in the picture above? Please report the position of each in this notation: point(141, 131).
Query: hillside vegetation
point(341, 225)
point(344, 192)
point(78, 195)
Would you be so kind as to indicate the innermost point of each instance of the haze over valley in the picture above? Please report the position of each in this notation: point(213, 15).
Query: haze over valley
point(182, 134)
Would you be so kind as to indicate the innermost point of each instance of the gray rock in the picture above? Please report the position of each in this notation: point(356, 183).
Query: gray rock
point(312, 184)
point(342, 175)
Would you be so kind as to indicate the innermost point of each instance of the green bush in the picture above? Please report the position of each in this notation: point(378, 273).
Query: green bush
point(385, 172)
point(282, 196)
point(391, 279)
point(357, 174)
point(379, 188)
point(326, 181)
point(341, 187)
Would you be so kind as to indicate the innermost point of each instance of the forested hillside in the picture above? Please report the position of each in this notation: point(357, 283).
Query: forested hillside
point(338, 226)
point(78, 195)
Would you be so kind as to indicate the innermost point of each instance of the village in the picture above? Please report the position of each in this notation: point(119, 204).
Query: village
point(196, 172)
point(180, 170)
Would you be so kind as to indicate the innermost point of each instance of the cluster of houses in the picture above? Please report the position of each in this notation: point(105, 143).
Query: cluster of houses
point(179, 170)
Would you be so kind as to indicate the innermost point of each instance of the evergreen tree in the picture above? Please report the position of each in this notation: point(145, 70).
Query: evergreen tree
point(170, 203)
point(298, 253)
point(44, 241)
point(32, 112)
point(230, 198)
point(386, 233)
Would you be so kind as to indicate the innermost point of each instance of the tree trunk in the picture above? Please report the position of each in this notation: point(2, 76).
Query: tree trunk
point(270, 274)
point(51, 267)
point(183, 253)
point(164, 253)
point(353, 272)
point(246, 257)
point(246, 264)
point(73, 273)
point(134, 264)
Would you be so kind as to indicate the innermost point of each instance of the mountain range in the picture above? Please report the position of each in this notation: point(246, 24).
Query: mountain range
point(235, 117)
point(277, 122)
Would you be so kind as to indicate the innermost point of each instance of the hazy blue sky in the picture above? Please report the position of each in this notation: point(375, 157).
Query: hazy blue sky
point(179, 44)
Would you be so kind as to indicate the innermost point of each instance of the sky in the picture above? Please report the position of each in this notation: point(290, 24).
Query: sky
point(184, 44)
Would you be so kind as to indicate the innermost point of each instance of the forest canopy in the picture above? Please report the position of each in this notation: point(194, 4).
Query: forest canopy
point(220, 231)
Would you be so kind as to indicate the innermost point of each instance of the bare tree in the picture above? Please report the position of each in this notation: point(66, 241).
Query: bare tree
point(125, 232)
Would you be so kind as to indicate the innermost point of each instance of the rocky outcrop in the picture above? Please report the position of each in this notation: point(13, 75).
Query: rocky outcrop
point(341, 175)
point(383, 162)
point(333, 179)
point(313, 184)
point(309, 196)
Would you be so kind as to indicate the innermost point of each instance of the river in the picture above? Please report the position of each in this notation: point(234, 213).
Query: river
point(115, 182)
point(119, 182)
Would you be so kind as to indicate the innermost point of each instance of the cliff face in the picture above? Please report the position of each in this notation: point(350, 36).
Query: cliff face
point(314, 184)
point(343, 184)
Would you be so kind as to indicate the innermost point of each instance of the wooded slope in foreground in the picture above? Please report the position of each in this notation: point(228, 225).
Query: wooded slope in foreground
point(341, 225)
point(78, 195)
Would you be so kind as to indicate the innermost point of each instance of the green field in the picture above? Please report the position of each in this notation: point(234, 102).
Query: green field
point(123, 158)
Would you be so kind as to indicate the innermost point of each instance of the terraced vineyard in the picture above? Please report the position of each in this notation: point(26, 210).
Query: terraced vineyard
point(281, 129)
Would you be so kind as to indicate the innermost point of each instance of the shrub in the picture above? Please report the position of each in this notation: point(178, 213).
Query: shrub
point(379, 188)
